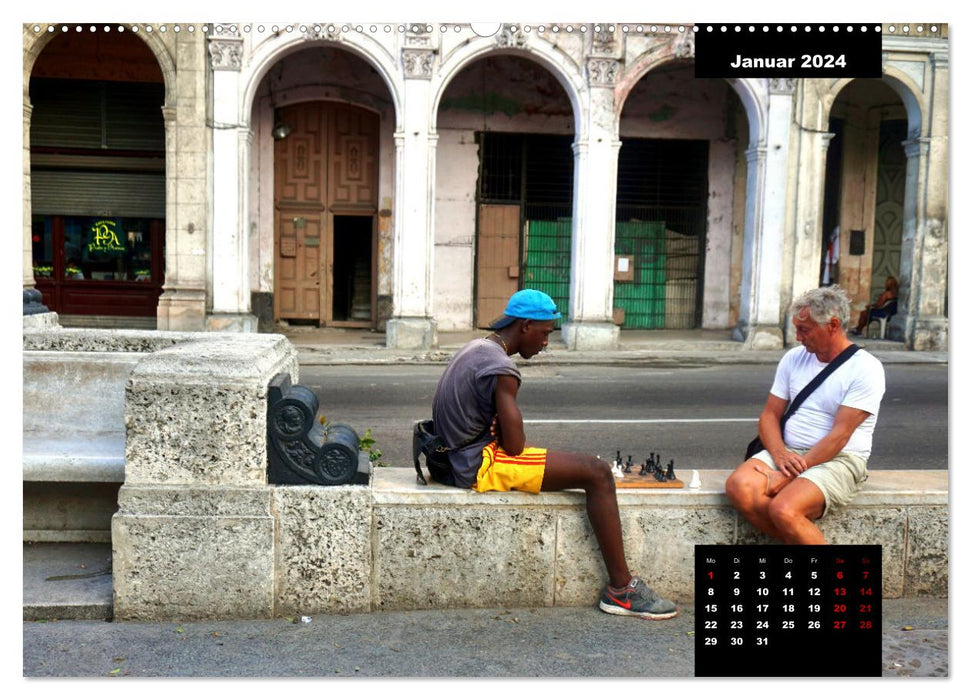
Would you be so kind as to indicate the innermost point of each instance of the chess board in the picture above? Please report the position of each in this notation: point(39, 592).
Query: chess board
point(636, 481)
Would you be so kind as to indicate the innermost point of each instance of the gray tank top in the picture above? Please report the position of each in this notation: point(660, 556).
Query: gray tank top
point(465, 404)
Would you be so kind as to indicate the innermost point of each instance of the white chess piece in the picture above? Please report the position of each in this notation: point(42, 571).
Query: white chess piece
point(695, 480)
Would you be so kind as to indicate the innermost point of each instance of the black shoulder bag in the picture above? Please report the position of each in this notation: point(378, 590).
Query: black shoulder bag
point(424, 441)
point(756, 444)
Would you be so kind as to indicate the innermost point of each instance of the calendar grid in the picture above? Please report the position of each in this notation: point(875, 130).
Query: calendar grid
point(779, 610)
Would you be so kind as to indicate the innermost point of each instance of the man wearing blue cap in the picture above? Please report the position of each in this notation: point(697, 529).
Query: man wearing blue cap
point(476, 414)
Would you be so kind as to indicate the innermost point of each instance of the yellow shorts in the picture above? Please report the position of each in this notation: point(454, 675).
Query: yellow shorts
point(504, 472)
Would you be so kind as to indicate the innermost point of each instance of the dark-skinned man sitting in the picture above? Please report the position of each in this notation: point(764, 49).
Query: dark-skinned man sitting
point(476, 413)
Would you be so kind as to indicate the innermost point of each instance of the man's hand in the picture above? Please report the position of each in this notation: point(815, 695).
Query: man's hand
point(791, 464)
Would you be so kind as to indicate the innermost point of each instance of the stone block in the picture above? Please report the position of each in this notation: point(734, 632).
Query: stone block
point(196, 413)
point(590, 336)
point(470, 557)
point(927, 552)
point(411, 333)
point(659, 544)
point(192, 553)
point(323, 549)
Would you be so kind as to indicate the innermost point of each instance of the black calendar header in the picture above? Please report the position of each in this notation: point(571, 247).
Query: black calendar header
point(788, 51)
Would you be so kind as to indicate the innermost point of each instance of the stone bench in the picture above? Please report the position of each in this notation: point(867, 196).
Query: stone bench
point(74, 422)
point(404, 546)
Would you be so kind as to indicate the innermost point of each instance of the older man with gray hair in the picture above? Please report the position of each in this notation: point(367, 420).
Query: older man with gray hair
point(815, 457)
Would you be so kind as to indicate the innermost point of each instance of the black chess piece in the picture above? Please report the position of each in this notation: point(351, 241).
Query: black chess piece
point(618, 462)
point(670, 473)
point(630, 463)
point(644, 469)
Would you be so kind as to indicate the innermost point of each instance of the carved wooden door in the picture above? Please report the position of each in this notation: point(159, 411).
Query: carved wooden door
point(326, 166)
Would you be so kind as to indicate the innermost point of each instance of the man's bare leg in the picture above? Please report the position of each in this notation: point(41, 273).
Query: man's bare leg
point(793, 511)
point(751, 489)
point(565, 470)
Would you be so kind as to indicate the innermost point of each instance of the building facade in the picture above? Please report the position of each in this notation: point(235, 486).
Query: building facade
point(408, 178)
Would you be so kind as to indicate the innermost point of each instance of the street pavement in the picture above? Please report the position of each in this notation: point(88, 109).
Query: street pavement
point(459, 643)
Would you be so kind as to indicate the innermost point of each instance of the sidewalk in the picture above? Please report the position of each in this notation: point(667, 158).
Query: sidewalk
point(325, 346)
point(70, 637)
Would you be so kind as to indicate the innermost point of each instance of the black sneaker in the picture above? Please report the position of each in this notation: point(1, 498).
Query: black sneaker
point(639, 600)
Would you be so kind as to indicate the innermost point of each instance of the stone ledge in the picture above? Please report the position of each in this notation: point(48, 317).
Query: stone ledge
point(526, 549)
point(398, 485)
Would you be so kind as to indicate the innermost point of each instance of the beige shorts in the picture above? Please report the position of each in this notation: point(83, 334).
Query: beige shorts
point(840, 479)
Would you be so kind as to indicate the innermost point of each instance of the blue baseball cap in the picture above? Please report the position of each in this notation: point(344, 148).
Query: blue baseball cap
point(530, 304)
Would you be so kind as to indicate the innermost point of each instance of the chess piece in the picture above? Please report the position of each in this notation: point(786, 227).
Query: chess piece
point(630, 463)
point(695, 482)
point(644, 469)
point(670, 473)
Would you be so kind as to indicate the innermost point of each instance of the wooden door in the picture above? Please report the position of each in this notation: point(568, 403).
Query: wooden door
point(497, 260)
point(327, 166)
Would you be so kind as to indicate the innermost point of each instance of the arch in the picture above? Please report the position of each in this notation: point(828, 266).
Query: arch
point(34, 46)
point(746, 89)
point(267, 54)
point(557, 63)
point(903, 85)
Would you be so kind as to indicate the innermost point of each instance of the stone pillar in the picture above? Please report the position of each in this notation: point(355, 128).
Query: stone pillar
point(28, 259)
point(412, 325)
point(182, 306)
point(760, 315)
point(920, 320)
point(230, 154)
point(809, 176)
point(590, 325)
point(194, 534)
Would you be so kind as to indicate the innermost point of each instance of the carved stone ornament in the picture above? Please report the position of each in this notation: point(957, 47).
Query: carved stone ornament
point(418, 35)
point(226, 54)
point(684, 44)
point(604, 41)
point(603, 71)
point(325, 31)
point(418, 62)
point(512, 36)
point(782, 86)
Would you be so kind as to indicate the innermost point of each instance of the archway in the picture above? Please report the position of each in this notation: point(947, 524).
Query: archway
point(504, 199)
point(321, 187)
point(864, 191)
point(98, 182)
point(680, 200)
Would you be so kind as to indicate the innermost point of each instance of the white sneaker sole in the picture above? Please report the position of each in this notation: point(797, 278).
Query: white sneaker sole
point(617, 610)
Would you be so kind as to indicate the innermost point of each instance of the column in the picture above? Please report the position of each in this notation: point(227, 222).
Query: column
point(590, 325)
point(920, 320)
point(230, 155)
point(761, 316)
point(412, 325)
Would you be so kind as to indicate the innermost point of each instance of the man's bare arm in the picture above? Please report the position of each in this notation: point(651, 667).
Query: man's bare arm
point(511, 434)
point(846, 421)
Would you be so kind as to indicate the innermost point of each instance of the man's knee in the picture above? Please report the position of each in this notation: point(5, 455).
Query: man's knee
point(740, 488)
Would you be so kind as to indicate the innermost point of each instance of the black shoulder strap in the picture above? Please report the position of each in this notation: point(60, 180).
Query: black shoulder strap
point(819, 379)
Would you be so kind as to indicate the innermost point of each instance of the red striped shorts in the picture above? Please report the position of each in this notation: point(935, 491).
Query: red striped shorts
point(504, 472)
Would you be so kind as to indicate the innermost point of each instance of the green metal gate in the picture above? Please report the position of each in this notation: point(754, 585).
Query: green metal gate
point(548, 247)
point(642, 298)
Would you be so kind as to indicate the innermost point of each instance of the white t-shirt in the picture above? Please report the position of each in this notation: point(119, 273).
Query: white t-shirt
point(858, 383)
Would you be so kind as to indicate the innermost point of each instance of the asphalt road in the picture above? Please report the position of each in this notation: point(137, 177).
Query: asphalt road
point(702, 417)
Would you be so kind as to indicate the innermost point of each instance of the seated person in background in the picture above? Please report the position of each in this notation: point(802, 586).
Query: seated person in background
point(874, 310)
point(821, 461)
point(476, 414)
